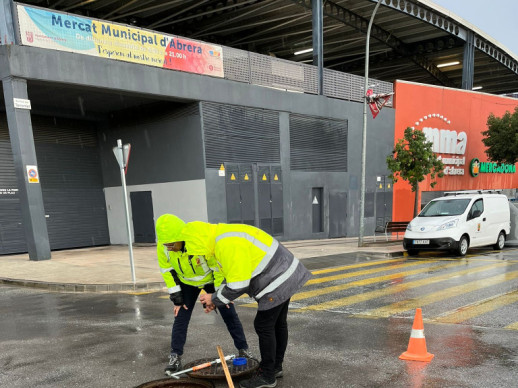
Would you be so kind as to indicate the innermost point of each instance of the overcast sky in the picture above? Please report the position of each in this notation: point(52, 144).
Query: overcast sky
point(497, 18)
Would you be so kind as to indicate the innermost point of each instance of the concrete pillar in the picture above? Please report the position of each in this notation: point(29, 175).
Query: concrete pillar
point(318, 42)
point(24, 154)
point(468, 63)
point(7, 34)
point(284, 134)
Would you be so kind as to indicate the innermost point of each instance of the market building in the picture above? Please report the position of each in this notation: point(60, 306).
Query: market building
point(244, 132)
point(204, 146)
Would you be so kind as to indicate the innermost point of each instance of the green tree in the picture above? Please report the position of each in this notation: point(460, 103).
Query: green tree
point(501, 138)
point(412, 160)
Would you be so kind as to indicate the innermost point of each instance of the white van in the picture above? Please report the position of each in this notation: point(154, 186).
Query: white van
point(458, 221)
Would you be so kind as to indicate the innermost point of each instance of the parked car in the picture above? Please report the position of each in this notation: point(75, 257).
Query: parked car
point(458, 221)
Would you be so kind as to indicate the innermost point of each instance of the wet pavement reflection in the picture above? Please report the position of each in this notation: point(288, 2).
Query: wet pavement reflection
point(348, 327)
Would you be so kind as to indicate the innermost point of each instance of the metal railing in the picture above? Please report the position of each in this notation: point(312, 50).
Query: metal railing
point(264, 70)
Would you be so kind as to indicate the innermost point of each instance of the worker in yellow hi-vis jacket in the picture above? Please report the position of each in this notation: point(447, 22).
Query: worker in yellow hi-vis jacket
point(185, 275)
point(255, 263)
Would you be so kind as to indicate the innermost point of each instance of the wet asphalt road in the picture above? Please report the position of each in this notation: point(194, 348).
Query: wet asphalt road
point(348, 326)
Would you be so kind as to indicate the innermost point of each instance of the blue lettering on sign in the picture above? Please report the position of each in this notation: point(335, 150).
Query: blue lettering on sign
point(185, 46)
point(70, 24)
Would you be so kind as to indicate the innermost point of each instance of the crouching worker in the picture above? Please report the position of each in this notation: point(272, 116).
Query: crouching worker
point(185, 275)
point(255, 263)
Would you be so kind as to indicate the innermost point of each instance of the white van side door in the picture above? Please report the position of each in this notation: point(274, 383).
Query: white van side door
point(475, 223)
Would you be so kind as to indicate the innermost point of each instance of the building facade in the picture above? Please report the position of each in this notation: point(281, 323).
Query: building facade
point(239, 137)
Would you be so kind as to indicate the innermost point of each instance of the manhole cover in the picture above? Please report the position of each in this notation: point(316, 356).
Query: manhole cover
point(216, 371)
point(182, 383)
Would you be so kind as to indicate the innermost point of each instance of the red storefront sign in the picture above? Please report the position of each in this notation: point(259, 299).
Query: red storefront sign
point(453, 120)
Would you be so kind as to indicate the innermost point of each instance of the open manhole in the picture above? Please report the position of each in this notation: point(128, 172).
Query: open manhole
point(182, 383)
point(216, 372)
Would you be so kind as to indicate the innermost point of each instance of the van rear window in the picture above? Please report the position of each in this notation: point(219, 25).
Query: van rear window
point(449, 207)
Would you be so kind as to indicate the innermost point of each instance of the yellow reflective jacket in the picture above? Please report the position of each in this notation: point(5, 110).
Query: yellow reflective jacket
point(250, 260)
point(190, 269)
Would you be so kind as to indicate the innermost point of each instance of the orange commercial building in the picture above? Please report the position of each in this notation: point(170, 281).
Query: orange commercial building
point(453, 120)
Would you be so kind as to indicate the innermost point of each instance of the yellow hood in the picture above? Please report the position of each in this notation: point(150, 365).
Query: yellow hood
point(199, 238)
point(168, 228)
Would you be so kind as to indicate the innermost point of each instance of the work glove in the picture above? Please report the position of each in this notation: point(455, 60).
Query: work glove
point(176, 298)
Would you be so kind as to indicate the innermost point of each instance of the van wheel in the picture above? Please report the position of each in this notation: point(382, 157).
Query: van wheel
point(463, 246)
point(413, 252)
point(500, 242)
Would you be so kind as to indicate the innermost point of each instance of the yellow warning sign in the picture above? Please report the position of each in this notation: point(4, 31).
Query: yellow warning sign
point(222, 167)
point(388, 186)
point(232, 177)
point(275, 178)
point(246, 177)
point(381, 186)
point(264, 177)
point(221, 171)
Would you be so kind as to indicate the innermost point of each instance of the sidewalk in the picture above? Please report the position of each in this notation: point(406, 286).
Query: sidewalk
point(107, 268)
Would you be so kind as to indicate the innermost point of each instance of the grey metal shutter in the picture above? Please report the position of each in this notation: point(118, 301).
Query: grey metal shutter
point(12, 235)
point(318, 144)
point(239, 134)
point(71, 182)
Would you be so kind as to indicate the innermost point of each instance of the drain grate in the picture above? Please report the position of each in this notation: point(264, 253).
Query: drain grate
point(182, 383)
point(216, 371)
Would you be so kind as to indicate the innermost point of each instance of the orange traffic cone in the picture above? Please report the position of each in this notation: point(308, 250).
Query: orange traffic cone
point(417, 346)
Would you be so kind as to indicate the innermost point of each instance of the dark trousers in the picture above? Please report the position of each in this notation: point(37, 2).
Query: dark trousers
point(272, 328)
point(181, 321)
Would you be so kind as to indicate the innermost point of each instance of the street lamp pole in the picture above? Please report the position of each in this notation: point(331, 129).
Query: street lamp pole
point(364, 133)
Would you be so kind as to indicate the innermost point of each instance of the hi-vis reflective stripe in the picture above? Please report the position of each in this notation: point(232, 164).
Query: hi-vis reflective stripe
point(174, 289)
point(417, 333)
point(238, 285)
point(221, 297)
point(281, 279)
point(269, 250)
point(164, 270)
point(203, 264)
point(197, 278)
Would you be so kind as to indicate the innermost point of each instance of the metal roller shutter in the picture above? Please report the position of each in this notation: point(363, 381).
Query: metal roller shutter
point(71, 182)
point(318, 144)
point(236, 134)
point(12, 236)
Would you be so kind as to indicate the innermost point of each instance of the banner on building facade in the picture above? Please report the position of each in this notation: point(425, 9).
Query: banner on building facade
point(66, 32)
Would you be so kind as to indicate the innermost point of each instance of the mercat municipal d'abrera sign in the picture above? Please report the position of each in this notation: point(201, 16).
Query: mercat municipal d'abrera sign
point(82, 35)
point(477, 167)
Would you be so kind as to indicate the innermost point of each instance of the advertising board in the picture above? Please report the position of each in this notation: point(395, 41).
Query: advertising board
point(66, 32)
point(453, 120)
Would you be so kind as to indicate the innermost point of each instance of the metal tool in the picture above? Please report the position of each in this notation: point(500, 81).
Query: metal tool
point(176, 375)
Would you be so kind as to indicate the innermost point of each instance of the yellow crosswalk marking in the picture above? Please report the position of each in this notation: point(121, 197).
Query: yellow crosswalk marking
point(512, 326)
point(360, 273)
point(399, 307)
point(140, 293)
point(351, 266)
point(363, 282)
point(474, 310)
point(357, 298)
